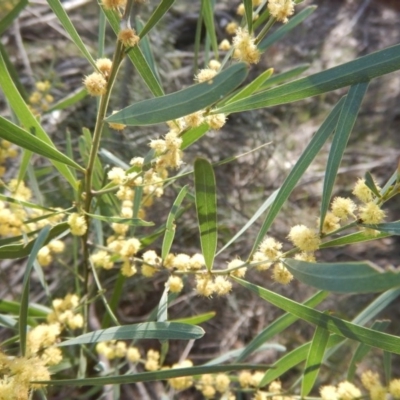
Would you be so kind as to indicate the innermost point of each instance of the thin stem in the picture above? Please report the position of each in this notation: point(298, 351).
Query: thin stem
point(265, 30)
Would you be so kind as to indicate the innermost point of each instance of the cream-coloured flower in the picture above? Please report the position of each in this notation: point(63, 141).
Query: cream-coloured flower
point(304, 238)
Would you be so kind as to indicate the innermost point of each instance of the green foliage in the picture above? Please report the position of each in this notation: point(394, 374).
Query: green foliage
point(118, 241)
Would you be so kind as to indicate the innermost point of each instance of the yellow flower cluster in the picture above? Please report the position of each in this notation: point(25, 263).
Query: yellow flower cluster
point(377, 391)
point(152, 362)
point(16, 373)
point(128, 37)
point(64, 312)
point(181, 382)
point(274, 393)
point(96, 82)
point(41, 99)
point(209, 385)
point(77, 224)
point(113, 4)
point(250, 379)
point(14, 215)
point(40, 343)
point(281, 9)
point(45, 254)
point(7, 151)
point(344, 391)
point(113, 349)
point(245, 48)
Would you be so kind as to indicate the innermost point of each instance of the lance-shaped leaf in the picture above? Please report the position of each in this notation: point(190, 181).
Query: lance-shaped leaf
point(335, 342)
point(184, 102)
point(251, 87)
point(120, 220)
point(314, 360)
point(344, 127)
point(146, 330)
point(362, 350)
point(357, 237)
point(193, 135)
point(298, 170)
point(7, 19)
point(279, 325)
point(14, 251)
point(284, 76)
point(391, 228)
point(23, 312)
point(362, 69)
point(26, 140)
point(248, 8)
point(62, 16)
point(342, 277)
point(333, 324)
point(286, 28)
point(136, 56)
point(207, 11)
point(151, 376)
point(206, 207)
point(170, 225)
point(158, 13)
point(28, 120)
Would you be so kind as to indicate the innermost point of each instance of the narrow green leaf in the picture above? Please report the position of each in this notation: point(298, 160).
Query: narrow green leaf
point(286, 28)
point(14, 74)
point(26, 204)
point(146, 51)
point(391, 228)
point(136, 57)
point(357, 237)
point(387, 367)
point(62, 16)
point(369, 181)
point(7, 19)
point(314, 360)
point(295, 357)
point(14, 251)
point(206, 207)
point(170, 225)
point(14, 307)
point(184, 102)
point(196, 319)
point(120, 220)
point(284, 76)
point(252, 87)
point(162, 310)
point(151, 376)
point(28, 120)
point(207, 12)
point(146, 330)
point(158, 13)
point(362, 350)
point(231, 354)
point(344, 127)
point(39, 242)
point(335, 341)
point(139, 61)
point(248, 8)
point(343, 277)
point(69, 100)
point(360, 70)
point(298, 170)
point(193, 135)
point(278, 326)
point(333, 324)
point(26, 140)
